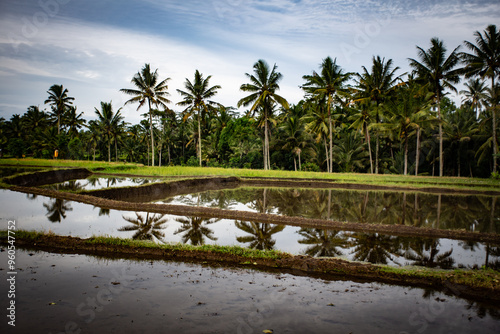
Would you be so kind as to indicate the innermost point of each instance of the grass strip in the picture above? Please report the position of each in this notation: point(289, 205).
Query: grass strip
point(481, 283)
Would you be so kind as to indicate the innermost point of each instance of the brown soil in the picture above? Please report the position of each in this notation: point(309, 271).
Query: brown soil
point(318, 267)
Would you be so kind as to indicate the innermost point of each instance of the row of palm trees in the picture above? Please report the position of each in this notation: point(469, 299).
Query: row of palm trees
point(378, 103)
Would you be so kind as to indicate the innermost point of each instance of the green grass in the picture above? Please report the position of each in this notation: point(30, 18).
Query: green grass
point(232, 250)
point(383, 179)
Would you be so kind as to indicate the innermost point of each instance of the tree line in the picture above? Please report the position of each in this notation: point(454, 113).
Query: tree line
point(373, 121)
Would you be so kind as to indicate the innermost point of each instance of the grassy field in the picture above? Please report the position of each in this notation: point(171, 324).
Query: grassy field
point(383, 179)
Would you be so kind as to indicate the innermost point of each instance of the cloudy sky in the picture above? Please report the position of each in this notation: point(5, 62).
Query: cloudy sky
point(94, 48)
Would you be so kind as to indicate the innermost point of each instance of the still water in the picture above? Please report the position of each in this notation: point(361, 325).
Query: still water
point(472, 213)
point(76, 219)
point(76, 293)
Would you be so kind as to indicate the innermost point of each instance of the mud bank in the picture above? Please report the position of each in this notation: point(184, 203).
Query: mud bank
point(301, 265)
point(48, 177)
point(157, 191)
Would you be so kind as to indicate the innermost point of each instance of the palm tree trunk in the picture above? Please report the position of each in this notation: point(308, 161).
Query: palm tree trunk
point(417, 158)
point(300, 165)
point(116, 150)
point(441, 160)
point(376, 153)
point(327, 158)
point(330, 132)
point(199, 134)
point(406, 156)
point(152, 137)
point(367, 135)
point(295, 163)
point(109, 150)
point(266, 141)
point(494, 118)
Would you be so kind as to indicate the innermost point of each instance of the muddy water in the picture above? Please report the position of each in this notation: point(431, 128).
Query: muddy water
point(66, 293)
point(472, 213)
point(76, 219)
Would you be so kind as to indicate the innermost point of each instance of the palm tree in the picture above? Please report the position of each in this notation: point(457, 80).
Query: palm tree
point(330, 83)
point(373, 89)
point(484, 62)
point(439, 71)
point(295, 137)
point(149, 89)
point(459, 129)
point(109, 122)
point(263, 86)
point(407, 110)
point(475, 95)
point(196, 98)
point(60, 101)
point(74, 121)
point(34, 119)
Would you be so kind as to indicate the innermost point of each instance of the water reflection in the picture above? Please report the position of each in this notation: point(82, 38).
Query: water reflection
point(147, 227)
point(81, 220)
point(261, 234)
point(472, 213)
point(195, 231)
point(94, 183)
point(56, 209)
point(323, 242)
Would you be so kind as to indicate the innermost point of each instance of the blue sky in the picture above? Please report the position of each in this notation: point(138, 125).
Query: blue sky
point(94, 47)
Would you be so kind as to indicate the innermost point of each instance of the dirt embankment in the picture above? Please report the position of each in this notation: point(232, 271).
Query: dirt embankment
point(304, 265)
point(158, 191)
point(37, 179)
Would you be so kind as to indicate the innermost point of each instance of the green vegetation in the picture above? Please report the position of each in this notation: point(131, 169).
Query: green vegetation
point(376, 121)
point(355, 178)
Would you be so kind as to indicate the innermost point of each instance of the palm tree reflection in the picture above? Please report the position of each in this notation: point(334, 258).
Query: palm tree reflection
point(260, 234)
point(324, 242)
point(426, 253)
point(56, 209)
point(195, 230)
point(146, 228)
point(373, 247)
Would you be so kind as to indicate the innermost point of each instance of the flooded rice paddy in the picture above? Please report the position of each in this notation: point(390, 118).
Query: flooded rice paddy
point(76, 293)
point(63, 217)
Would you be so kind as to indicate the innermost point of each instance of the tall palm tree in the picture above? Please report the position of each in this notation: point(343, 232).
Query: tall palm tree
point(408, 110)
point(296, 139)
point(60, 101)
point(374, 88)
point(484, 62)
point(74, 121)
point(34, 119)
point(331, 82)
point(440, 72)
point(151, 90)
point(263, 86)
point(196, 98)
point(109, 122)
point(476, 95)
